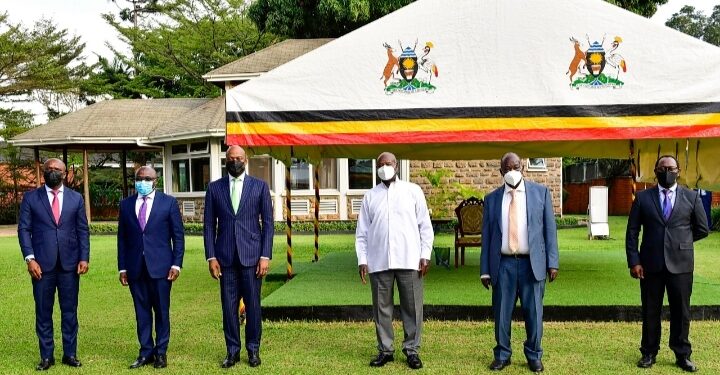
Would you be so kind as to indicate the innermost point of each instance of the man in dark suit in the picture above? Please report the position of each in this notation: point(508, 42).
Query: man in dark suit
point(151, 245)
point(671, 218)
point(55, 241)
point(519, 248)
point(238, 235)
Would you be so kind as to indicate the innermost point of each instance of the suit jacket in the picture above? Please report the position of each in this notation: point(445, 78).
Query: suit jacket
point(542, 232)
point(41, 237)
point(162, 244)
point(249, 233)
point(665, 243)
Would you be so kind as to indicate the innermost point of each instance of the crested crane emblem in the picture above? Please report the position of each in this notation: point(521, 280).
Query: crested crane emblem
point(407, 72)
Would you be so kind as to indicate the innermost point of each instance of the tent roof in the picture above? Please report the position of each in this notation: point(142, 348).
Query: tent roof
point(262, 61)
point(475, 78)
point(118, 121)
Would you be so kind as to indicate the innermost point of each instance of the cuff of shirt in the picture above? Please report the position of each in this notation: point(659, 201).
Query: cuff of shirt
point(266, 258)
point(29, 257)
point(176, 268)
point(484, 276)
point(209, 259)
point(123, 271)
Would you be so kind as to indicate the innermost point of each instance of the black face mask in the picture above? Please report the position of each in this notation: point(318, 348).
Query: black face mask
point(53, 178)
point(666, 179)
point(235, 168)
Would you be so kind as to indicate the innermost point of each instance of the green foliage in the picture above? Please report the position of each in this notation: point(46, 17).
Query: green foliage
point(695, 23)
point(14, 176)
point(318, 18)
point(41, 58)
point(443, 196)
point(645, 8)
point(715, 218)
point(174, 46)
point(567, 221)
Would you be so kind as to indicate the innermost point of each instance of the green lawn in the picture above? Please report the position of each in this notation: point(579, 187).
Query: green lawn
point(590, 272)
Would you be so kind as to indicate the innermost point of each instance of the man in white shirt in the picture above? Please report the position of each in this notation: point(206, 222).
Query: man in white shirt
point(393, 242)
point(519, 248)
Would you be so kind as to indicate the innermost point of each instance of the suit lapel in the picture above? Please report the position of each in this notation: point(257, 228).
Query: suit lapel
point(529, 197)
point(245, 192)
point(155, 205)
point(130, 209)
point(656, 201)
point(43, 196)
point(679, 201)
point(225, 193)
point(498, 207)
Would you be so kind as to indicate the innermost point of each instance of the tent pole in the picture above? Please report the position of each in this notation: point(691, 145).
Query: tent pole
point(288, 216)
point(65, 160)
point(633, 168)
point(36, 152)
point(86, 184)
point(316, 223)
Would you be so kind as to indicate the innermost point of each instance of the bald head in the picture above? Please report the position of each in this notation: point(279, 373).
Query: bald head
point(235, 153)
point(53, 173)
point(510, 161)
point(54, 164)
point(386, 158)
point(145, 171)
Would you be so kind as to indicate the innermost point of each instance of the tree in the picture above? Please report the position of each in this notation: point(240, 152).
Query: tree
point(645, 8)
point(138, 9)
point(173, 48)
point(41, 58)
point(334, 18)
point(694, 22)
point(13, 177)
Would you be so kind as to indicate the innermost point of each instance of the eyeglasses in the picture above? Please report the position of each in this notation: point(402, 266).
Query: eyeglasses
point(667, 169)
point(144, 179)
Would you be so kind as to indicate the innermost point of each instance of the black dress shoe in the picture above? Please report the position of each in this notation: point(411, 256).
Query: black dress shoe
point(414, 362)
point(499, 364)
point(536, 366)
point(254, 359)
point(71, 361)
point(231, 360)
point(646, 361)
point(686, 364)
point(142, 361)
point(381, 360)
point(45, 364)
point(160, 361)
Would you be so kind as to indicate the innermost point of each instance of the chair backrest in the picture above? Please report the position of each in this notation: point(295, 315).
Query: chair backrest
point(470, 216)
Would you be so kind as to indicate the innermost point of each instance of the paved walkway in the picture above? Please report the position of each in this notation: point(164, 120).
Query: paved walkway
point(8, 230)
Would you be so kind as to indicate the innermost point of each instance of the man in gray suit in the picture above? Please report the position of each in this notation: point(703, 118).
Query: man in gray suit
point(519, 247)
point(671, 218)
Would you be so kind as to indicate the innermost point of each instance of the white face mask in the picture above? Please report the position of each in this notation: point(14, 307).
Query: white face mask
point(513, 178)
point(386, 172)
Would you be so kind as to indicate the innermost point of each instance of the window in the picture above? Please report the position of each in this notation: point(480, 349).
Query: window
point(302, 174)
point(190, 167)
point(361, 173)
point(299, 175)
point(536, 164)
point(328, 174)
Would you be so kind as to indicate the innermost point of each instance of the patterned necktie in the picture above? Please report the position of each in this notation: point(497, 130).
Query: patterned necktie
point(56, 206)
point(667, 204)
point(513, 224)
point(235, 195)
point(142, 214)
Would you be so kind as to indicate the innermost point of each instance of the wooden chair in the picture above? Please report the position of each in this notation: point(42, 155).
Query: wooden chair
point(468, 230)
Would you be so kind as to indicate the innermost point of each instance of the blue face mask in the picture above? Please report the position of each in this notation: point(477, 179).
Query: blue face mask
point(144, 187)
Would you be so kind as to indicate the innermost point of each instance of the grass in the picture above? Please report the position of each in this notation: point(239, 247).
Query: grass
point(590, 271)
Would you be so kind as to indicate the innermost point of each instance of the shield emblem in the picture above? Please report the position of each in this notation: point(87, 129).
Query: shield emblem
point(408, 64)
point(595, 59)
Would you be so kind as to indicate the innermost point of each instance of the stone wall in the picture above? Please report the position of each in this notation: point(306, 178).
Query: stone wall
point(485, 175)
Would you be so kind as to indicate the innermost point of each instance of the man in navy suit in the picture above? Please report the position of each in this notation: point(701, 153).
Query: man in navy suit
point(151, 245)
point(671, 218)
point(519, 248)
point(238, 235)
point(55, 241)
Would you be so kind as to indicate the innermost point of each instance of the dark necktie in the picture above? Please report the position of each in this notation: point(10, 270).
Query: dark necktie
point(667, 204)
point(142, 214)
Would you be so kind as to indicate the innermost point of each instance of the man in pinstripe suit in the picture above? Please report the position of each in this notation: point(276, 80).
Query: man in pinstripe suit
point(238, 232)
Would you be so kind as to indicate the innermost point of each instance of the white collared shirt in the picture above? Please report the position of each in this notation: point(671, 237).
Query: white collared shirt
point(148, 205)
point(520, 214)
point(240, 181)
point(60, 195)
point(393, 229)
point(661, 191)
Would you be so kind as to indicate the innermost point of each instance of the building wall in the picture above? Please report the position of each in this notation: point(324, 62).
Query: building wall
point(485, 175)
